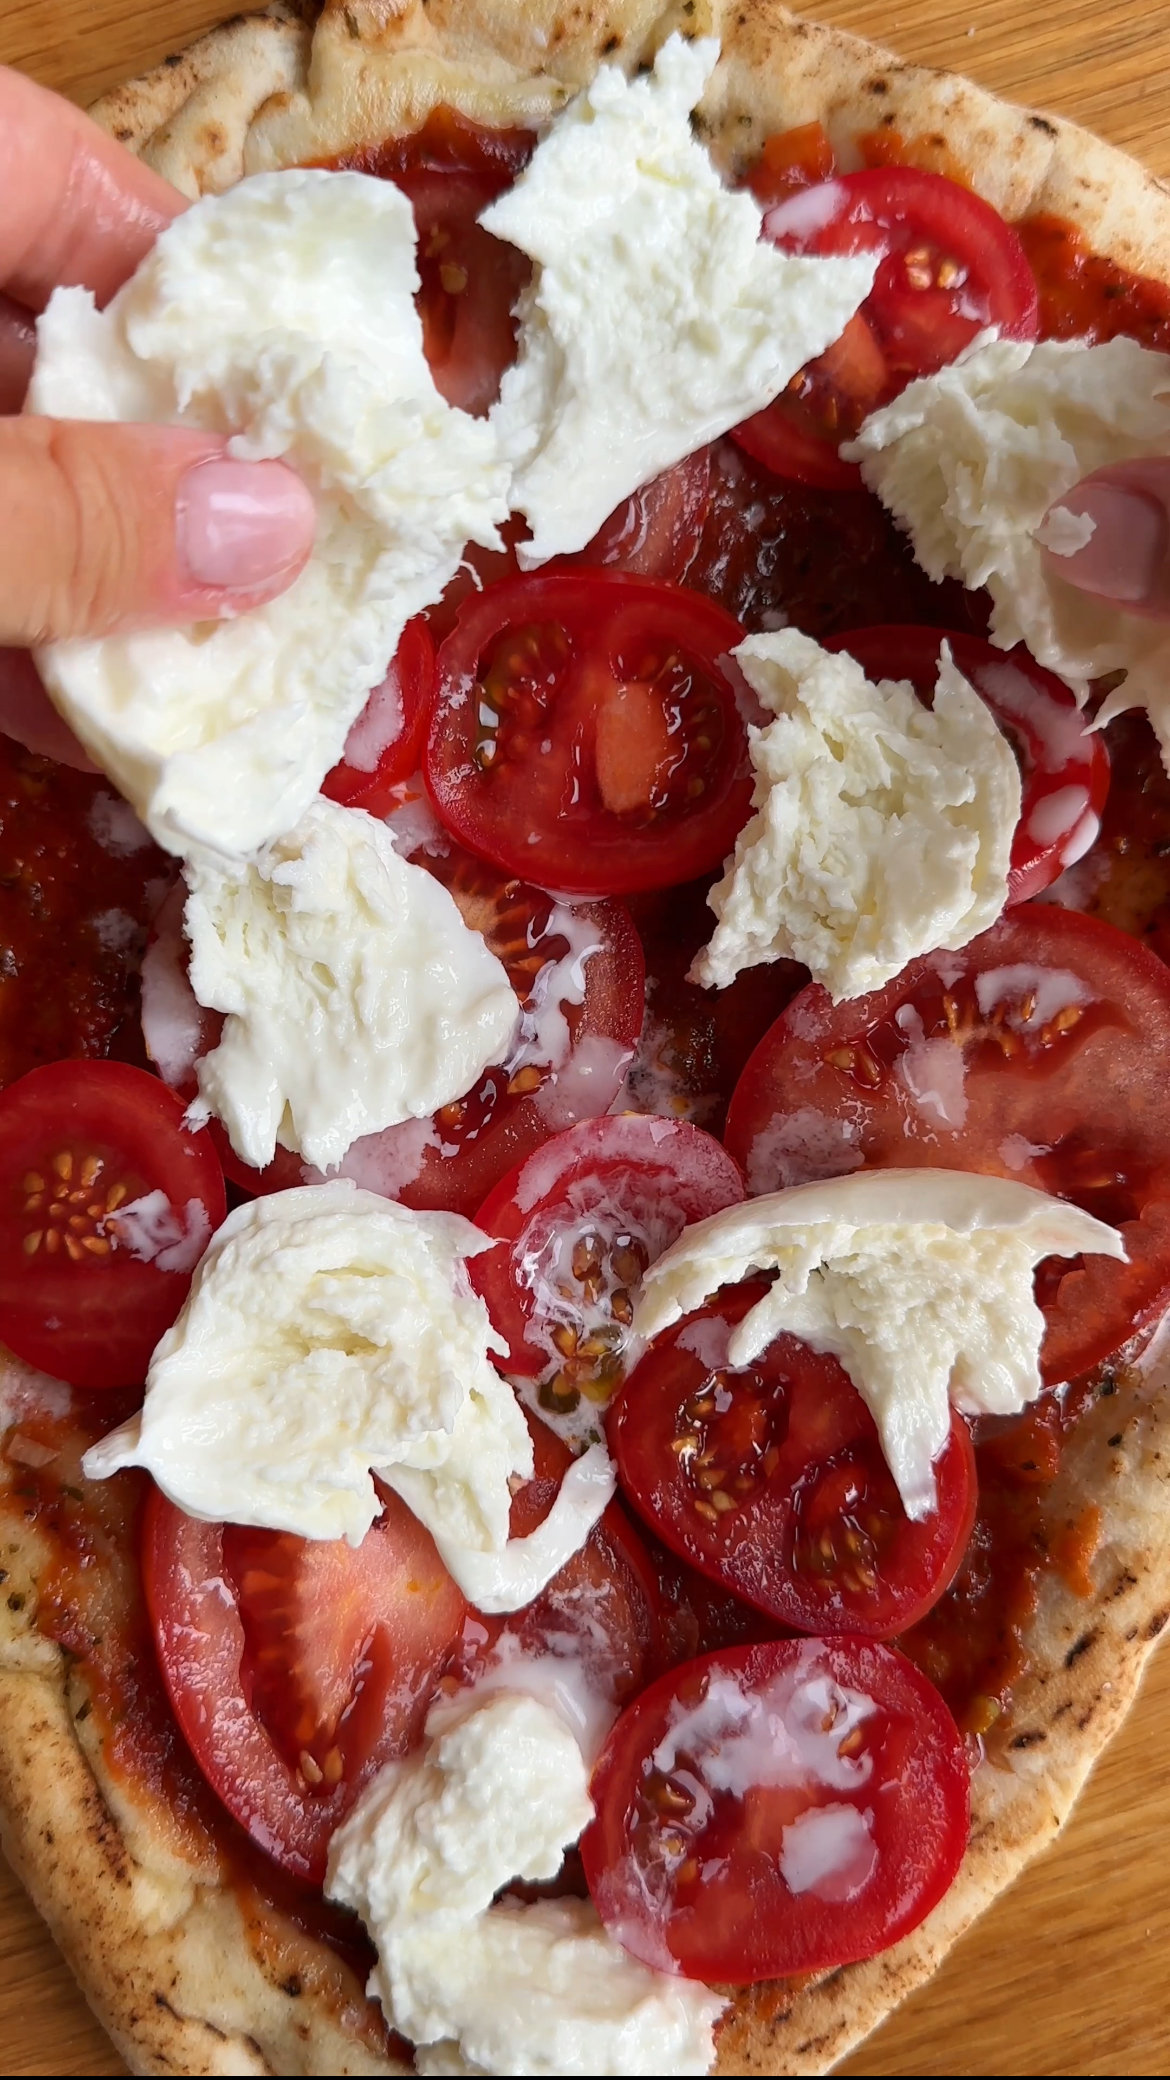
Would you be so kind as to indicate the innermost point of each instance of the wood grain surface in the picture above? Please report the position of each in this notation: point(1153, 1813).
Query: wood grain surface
point(1069, 1972)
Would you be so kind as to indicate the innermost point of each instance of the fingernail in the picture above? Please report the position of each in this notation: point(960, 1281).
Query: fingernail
point(240, 525)
point(1125, 556)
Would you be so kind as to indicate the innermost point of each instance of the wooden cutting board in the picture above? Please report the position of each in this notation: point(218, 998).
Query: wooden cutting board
point(1068, 1973)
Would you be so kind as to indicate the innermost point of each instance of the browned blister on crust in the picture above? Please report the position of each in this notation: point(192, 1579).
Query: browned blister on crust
point(164, 1953)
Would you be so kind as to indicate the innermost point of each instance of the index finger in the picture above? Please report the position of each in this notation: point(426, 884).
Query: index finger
point(75, 207)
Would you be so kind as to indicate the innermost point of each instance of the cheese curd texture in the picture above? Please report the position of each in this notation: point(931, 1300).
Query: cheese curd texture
point(969, 461)
point(883, 828)
point(356, 995)
point(918, 1281)
point(657, 318)
point(499, 1793)
point(281, 313)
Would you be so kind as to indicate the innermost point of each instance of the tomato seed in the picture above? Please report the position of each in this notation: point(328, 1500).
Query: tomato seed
point(34, 1182)
point(114, 1197)
point(63, 1165)
point(310, 1770)
point(32, 1242)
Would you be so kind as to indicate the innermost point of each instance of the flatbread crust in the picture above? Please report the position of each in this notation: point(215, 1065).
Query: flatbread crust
point(158, 1943)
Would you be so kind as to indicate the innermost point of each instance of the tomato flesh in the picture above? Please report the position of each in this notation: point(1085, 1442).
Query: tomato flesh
point(779, 1808)
point(1064, 765)
point(385, 744)
point(586, 733)
point(949, 267)
point(578, 1224)
point(108, 1201)
point(771, 1479)
point(1037, 1053)
point(297, 1667)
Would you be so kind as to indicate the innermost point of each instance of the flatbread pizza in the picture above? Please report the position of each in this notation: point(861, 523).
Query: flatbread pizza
point(191, 1960)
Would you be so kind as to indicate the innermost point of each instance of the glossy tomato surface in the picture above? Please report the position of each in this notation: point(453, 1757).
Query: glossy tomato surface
point(107, 1202)
point(1064, 765)
point(1037, 1052)
point(586, 733)
point(385, 744)
point(779, 1808)
point(578, 1224)
point(771, 1480)
point(297, 1667)
point(949, 266)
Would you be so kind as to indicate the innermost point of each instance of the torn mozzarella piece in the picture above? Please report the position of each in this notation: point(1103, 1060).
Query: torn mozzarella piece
point(356, 996)
point(883, 828)
point(494, 1986)
point(281, 313)
point(657, 318)
point(970, 460)
point(918, 1281)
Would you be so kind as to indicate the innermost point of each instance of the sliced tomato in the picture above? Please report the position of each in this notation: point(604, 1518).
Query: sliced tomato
point(694, 1042)
point(1064, 765)
point(1126, 877)
point(107, 1204)
point(578, 974)
point(1037, 1052)
point(780, 1808)
point(949, 267)
point(771, 1479)
point(586, 732)
point(578, 1224)
point(451, 169)
point(700, 1616)
point(297, 1667)
point(385, 744)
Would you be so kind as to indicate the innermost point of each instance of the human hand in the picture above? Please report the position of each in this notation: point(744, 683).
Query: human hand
point(106, 527)
point(1126, 559)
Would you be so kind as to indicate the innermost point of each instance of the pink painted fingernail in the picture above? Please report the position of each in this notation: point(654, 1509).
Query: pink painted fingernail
point(1124, 558)
point(242, 525)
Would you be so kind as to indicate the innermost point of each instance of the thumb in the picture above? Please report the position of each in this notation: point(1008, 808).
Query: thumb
point(108, 527)
point(1126, 557)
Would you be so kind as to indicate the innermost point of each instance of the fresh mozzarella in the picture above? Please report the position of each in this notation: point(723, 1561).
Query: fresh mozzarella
point(657, 318)
point(499, 1793)
point(356, 996)
point(883, 828)
point(919, 1281)
point(281, 313)
point(969, 462)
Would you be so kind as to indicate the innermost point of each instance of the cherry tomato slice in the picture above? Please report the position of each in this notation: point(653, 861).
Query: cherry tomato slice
point(297, 1667)
point(1037, 1052)
point(1125, 879)
point(1064, 765)
point(779, 1808)
point(451, 169)
point(771, 1480)
point(108, 1202)
point(579, 1222)
point(385, 744)
point(950, 266)
point(586, 733)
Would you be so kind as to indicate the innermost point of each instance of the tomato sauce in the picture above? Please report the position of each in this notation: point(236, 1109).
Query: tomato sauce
point(73, 912)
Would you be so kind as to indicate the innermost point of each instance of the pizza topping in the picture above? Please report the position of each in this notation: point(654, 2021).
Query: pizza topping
point(656, 319)
point(947, 267)
point(970, 461)
point(499, 1793)
point(883, 827)
point(220, 735)
point(919, 1281)
point(587, 732)
point(356, 996)
point(107, 1201)
point(776, 1809)
point(579, 1222)
point(384, 746)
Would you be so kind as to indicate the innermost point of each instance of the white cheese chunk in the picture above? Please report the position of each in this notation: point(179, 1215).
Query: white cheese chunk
point(281, 313)
point(970, 460)
point(918, 1281)
point(508, 1580)
point(329, 1331)
point(656, 318)
point(883, 829)
point(499, 1793)
point(356, 995)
